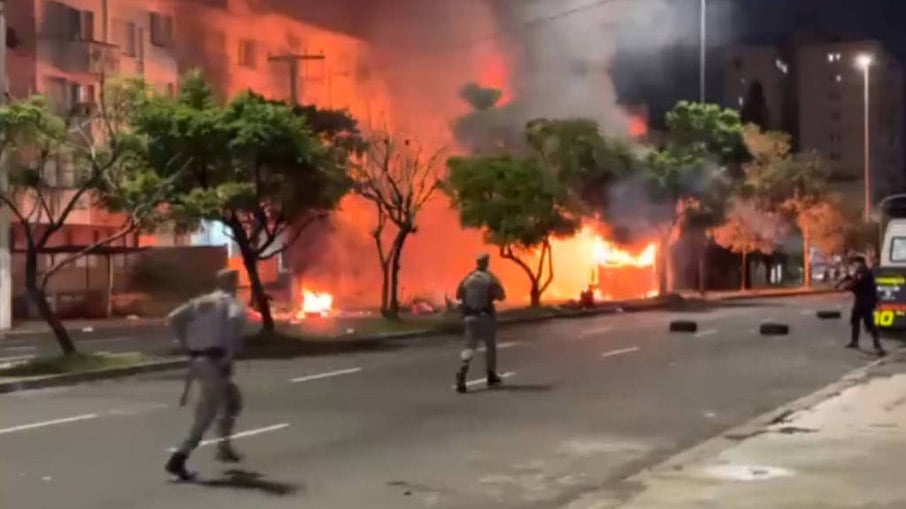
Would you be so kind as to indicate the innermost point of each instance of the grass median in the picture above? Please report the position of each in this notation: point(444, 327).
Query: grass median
point(76, 363)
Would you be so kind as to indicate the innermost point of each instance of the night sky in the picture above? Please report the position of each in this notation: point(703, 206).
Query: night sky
point(661, 76)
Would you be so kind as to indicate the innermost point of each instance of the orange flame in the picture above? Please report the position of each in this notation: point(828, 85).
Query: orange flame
point(315, 304)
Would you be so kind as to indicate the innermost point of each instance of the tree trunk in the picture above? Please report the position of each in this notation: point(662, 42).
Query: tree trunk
point(806, 258)
point(39, 299)
point(744, 272)
point(385, 288)
point(395, 264)
point(666, 277)
point(250, 261)
point(535, 294)
point(703, 271)
point(109, 311)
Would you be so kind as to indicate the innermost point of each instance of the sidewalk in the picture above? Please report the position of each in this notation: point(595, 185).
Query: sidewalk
point(847, 450)
point(33, 327)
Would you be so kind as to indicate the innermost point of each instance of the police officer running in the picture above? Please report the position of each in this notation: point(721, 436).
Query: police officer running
point(210, 328)
point(861, 282)
point(477, 294)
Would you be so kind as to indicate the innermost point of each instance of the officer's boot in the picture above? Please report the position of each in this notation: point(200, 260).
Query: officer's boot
point(879, 349)
point(461, 379)
point(494, 379)
point(226, 453)
point(176, 466)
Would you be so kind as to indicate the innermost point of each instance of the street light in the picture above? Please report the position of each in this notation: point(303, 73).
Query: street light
point(864, 62)
point(703, 52)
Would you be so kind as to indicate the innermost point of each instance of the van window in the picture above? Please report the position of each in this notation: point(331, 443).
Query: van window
point(898, 250)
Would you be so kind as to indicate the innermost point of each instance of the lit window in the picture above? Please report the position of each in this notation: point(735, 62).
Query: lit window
point(838, 78)
point(741, 101)
point(830, 57)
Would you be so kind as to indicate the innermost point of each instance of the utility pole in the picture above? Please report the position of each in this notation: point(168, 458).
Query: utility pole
point(293, 61)
point(703, 52)
point(6, 291)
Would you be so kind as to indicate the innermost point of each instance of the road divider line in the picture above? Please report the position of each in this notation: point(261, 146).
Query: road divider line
point(18, 358)
point(622, 351)
point(20, 348)
point(709, 332)
point(65, 420)
point(595, 332)
point(244, 434)
point(477, 381)
point(321, 376)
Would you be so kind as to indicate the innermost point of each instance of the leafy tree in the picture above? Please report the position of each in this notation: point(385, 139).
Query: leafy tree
point(795, 185)
point(56, 165)
point(747, 230)
point(252, 164)
point(398, 177)
point(693, 176)
point(519, 205)
point(582, 158)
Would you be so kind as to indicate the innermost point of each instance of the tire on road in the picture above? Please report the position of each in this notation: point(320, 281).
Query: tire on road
point(774, 329)
point(683, 326)
point(829, 314)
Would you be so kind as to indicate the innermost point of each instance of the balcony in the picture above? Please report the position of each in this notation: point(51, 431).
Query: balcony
point(80, 56)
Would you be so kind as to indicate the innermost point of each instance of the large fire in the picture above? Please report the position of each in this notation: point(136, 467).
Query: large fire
point(589, 262)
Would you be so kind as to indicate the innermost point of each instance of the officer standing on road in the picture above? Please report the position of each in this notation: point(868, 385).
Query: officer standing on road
point(861, 282)
point(477, 294)
point(210, 327)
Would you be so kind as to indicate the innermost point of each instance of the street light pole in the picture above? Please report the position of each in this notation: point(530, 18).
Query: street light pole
point(6, 291)
point(703, 51)
point(864, 62)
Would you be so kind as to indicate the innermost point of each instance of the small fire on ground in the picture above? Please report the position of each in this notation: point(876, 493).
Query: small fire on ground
point(314, 305)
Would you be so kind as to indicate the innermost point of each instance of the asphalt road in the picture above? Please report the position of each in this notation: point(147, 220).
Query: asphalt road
point(586, 403)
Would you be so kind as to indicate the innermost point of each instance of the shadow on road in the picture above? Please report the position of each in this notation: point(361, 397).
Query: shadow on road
point(252, 481)
point(522, 388)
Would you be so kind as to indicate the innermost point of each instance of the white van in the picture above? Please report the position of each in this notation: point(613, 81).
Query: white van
point(890, 275)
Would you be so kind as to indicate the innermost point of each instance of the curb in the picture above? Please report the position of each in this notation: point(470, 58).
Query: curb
point(756, 426)
point(724, 440)
point(779, 295)
point(88, 376)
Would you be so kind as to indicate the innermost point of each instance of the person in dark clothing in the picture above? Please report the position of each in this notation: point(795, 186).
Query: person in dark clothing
point(861, 282)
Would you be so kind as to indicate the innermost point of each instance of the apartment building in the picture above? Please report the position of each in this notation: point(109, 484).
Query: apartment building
point(816, 91)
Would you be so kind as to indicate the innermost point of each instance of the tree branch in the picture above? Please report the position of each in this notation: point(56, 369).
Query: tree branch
point(130, 227)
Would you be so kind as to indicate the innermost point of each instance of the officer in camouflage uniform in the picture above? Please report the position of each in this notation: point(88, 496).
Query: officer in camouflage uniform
point(210, 328)
point(477, 294)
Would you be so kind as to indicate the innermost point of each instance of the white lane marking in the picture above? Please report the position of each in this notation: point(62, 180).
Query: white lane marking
point(20, 348)
point(622, 351)
point(501, 346)
point(709, 332)
point(244, 434)
point(54, 422)
point(595, 332)
point(329, 374)
point(18, 358)
point(477, 381)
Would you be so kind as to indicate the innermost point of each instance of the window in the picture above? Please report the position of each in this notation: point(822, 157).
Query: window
point(835, 156)
point(124, 37)
point(834, 96)
point(836, 137)
point(248, 53)
point(171, 90)
point(835, 115)
point(898, 250)
point(161, 29)
point(71, 24)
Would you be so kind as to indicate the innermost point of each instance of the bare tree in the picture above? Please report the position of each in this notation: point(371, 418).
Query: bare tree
point(398, 176)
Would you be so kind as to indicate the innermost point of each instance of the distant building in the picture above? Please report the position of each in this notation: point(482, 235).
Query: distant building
point(815, 91)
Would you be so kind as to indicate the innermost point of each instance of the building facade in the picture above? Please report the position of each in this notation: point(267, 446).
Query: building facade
point(816, 92)
point(66, 48)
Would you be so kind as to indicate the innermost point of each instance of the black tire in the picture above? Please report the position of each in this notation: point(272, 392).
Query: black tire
point(829, 314)
point(775, 329)
point(683, 326)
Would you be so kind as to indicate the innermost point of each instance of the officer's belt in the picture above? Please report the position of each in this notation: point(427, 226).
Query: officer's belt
point(215, 353)
point(477, 312)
